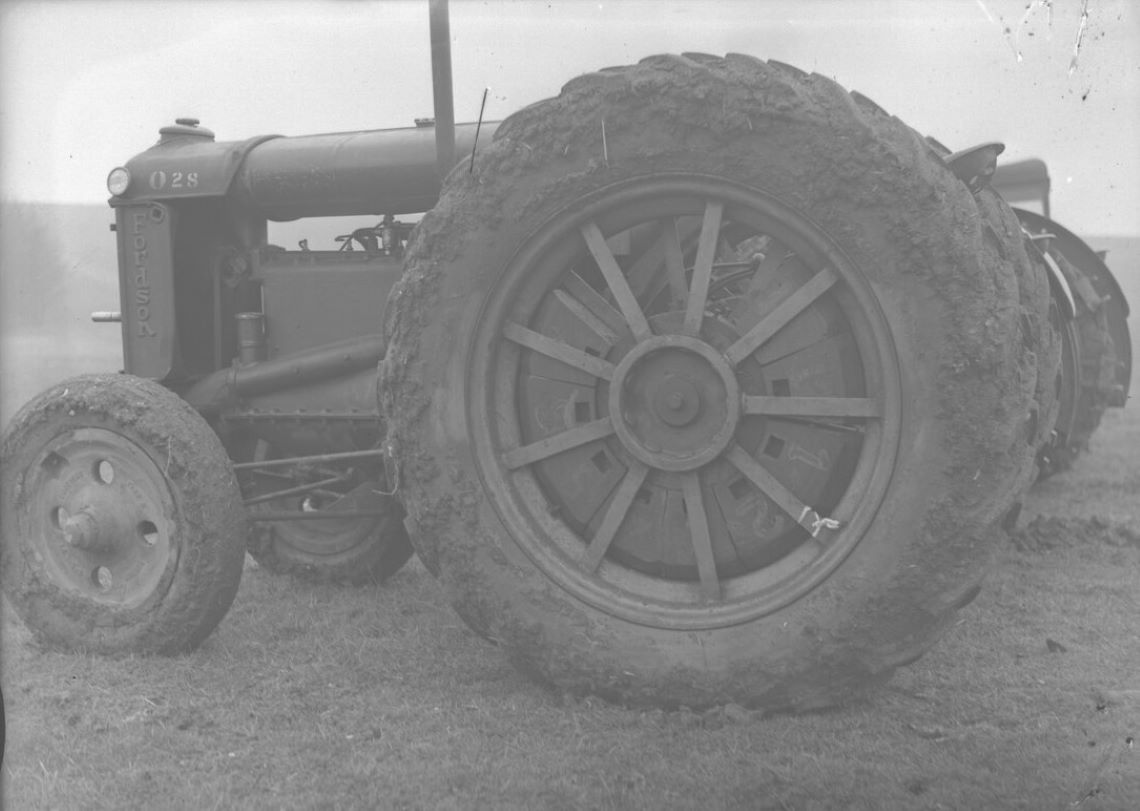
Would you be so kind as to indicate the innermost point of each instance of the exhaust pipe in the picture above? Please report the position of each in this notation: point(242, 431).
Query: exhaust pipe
point(441, 88)
point(225, 387)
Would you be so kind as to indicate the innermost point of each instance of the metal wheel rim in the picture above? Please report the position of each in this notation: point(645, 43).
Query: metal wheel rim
point(563, 555)
point(101, 517)
point(1068, 375)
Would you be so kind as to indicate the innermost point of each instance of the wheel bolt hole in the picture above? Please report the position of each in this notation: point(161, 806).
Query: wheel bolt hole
point(105, 471)
point(101, 577)
point(601, 461)
point(740, 489)
point(149, 532)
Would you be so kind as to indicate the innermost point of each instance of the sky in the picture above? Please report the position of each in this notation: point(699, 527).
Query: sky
point(85, 84)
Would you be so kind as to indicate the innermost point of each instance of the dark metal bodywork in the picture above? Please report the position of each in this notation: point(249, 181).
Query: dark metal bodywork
point(388, 171)
point(196, 268)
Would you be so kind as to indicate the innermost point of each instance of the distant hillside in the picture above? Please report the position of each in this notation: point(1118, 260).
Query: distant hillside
point(56, 260)
point(57, 264)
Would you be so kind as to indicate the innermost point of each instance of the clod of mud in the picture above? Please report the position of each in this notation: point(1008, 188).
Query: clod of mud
point(1117, 698)
point(1048, 532)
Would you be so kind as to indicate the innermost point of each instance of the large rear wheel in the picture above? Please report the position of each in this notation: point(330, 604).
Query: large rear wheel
point(710, 407)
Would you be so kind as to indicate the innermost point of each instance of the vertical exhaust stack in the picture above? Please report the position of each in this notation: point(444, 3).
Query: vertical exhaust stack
point(441, 88)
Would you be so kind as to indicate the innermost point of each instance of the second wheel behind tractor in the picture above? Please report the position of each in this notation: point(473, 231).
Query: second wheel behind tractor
point(325, 521)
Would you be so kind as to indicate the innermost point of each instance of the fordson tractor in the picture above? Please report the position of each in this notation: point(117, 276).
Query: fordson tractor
point(704, 381)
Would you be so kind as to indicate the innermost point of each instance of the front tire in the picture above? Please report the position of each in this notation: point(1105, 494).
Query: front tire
point(123, 528)
point(650, 477)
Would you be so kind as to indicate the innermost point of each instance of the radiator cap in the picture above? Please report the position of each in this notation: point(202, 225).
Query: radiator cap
point(184, 128)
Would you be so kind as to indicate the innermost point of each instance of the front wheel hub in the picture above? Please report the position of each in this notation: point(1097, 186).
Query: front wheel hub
point(82, 531)
point(99, 516)
point(675, 401)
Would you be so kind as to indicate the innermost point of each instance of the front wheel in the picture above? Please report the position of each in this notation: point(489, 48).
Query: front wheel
point(123, 527)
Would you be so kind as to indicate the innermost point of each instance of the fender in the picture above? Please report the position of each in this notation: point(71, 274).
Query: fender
point(1059, 286)
point(1077, 251)
point(1093, 268)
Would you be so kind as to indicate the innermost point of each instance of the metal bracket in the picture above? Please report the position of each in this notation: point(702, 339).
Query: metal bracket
point(975, 166)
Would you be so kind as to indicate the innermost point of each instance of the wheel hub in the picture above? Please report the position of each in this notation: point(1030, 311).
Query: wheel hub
point(83, 531)
point(100, 508)
point(675, 402)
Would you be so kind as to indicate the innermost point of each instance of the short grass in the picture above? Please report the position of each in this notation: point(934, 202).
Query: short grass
point(318, 697)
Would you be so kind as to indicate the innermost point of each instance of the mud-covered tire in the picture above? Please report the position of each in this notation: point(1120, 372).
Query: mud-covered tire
point(349, 551)
point(123, 528)
point(943, 314)
point(1096, 286)
point(1088, 373)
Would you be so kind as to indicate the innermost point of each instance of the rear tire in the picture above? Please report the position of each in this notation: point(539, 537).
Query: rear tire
point(1098, 345)
point(1089, 373)
point(355, 551)
point(594, 451)
point(123, 528)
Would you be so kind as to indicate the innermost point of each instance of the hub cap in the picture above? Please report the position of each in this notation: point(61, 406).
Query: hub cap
point(674, 402)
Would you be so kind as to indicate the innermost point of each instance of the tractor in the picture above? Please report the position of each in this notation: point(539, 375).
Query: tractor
point(704, 381)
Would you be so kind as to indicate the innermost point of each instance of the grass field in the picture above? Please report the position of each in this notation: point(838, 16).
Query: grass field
point(379, 697)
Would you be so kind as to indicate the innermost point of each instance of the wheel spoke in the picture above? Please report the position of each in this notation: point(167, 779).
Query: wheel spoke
point(674, 260)
point(589, 299)
point(784, 498)
point(788, 309)
point(702, 268)
point(558, 350)
point(812, 406)
point(551, 445)
point(615, 514)
point(699, 534)
point(645, 277)
point(618, 285)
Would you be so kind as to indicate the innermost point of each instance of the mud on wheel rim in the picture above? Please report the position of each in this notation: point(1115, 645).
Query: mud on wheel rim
point(684, 402)
point(99, 517)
